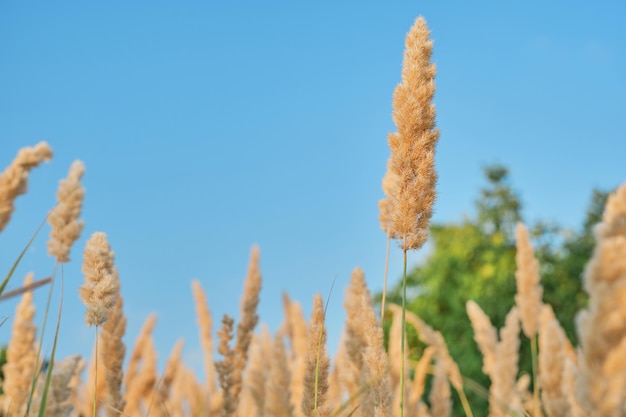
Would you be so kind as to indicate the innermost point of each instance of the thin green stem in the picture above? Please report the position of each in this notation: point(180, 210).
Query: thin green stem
point(403, 338)
point(382, 306)
point(95, 379)
point(533, 353)
point(37, 368)
point(465, 403)
point(46, 388)
point(19, 258)
point(320, 346)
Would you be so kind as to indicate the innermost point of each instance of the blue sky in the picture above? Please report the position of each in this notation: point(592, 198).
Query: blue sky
point(207, 128)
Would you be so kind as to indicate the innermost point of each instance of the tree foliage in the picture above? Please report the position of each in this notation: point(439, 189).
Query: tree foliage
point(474, 259)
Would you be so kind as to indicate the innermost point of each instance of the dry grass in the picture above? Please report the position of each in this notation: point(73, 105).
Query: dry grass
point(290, 373)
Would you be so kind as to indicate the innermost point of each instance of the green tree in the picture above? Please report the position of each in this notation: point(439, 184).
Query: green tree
point(475, 260)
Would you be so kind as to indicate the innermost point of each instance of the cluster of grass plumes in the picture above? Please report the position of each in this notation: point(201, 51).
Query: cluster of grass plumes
point(363, 379)
point(291, 373)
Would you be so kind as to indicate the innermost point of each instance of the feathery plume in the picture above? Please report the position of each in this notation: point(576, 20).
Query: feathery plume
point(99, 292)
point(113, 352)
point(503, 392)
point(570, 374)
point(66, 227)
point(395, 347)
point(277, 401)
point(435, 339)
point(419, 377)
point(58, 403)
point(14, 179)
point(601, 327)
point(529, 291)
point(225, 368)
point(355, 339)
point(485, 335)
point(258, 369)
point(297, 332)
point(413, 145)
point(75, 383)
point(249, 319)
point(376, 401)
point(317, 364)
point(160, 403)
point(138, 349)
point(95, 386)
point(385, 209)
point(552, 359)
point(205, 325)
point(440, 400)
point(21, 355)
point(141, 387)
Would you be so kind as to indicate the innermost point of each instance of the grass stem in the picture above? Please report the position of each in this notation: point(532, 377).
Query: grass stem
point(533, 359)
point(95, 379)
point(403, 338)
point(382, 304)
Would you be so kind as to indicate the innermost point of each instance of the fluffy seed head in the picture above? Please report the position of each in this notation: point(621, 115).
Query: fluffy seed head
point(66, 227)
point(14, 179)
point(412, 165)
point(99, 293)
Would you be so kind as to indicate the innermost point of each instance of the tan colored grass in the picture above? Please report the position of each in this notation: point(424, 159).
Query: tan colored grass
point(440, 395)
point(138, 349)
point(418, 385)
point(66, 227)
point(395, 352)
point(248, 321)
point(14, 179)
point(385, 208)
point(529, 291)
point(435, 339)
point(278, 401)
point(257, 370)
point(225, 367)
point(413, 145)
point(355, 338)
point(298, 334)
point(552, 359)
point(317, 364)
point(188, 396)
point(161, 405)
point(602, 326)
point(113, 352)
point(99, 293)
point(205, 326)
point(95, 385)
point(377, 398)
point(503, 393)
point(59, 396)
point(485, 335)
point(570, 375)
point(140, 390)
point(21, 355)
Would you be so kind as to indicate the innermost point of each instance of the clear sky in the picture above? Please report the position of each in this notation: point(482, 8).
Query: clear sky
point(207, 127)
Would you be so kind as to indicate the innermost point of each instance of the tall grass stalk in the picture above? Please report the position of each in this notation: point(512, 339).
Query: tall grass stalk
point(534, 362)
point(403, 338)
point(320, 345)
point(382, 304)
point(95, 379)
